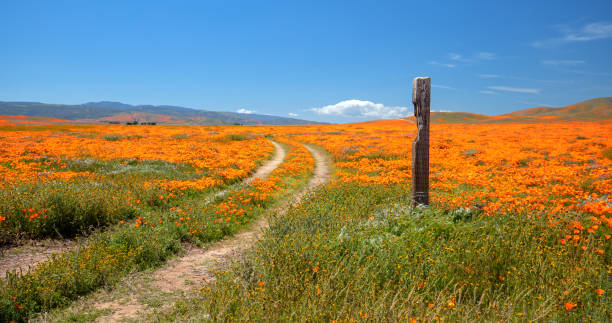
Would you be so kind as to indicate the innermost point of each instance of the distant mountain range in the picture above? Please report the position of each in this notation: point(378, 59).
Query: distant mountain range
point(33, 113)
point(117, 112)
point(599, 109)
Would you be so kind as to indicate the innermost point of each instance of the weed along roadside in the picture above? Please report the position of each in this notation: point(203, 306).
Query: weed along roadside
point(184, 276)
point(146, 242)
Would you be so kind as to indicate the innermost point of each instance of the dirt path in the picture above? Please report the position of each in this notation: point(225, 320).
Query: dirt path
point(157, 290)
point(265, 170)
point(184, 272)
point(27, 255)
point(32, 252)
point(321, 175)
point(262, 172)
point(197, 265)
point(180, 273)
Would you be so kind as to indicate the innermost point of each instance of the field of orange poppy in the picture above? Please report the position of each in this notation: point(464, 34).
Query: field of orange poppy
point(519, 222)
point(63, 180)
point(518, 228)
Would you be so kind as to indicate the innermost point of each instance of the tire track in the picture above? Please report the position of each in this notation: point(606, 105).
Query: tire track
point(198, 265)
point(180, 277)
point(25, 257)
point(181, 273)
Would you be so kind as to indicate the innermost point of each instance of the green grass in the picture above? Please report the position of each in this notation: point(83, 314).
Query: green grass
point(112, 137)
point(103, 260)
point(155, 301)
point(65, 209)
point(362, 253)
point(236, 137)
point(180, 136)
point(143, 170)
point(107, 256)
point(63, 128)
point(470, 152)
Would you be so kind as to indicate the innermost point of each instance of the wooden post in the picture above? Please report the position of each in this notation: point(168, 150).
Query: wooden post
point(421, 93)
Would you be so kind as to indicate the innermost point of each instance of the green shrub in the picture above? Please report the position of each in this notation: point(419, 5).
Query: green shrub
point(470, 152)
point(180, 136)
point(112, 137)
point(236, 137)
point(102, 261)
point(60, 209)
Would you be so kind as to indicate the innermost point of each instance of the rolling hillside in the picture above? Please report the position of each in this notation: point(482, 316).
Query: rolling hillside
point(105, 112)
point(29, 121)
point(599, 109)
point(591, 110)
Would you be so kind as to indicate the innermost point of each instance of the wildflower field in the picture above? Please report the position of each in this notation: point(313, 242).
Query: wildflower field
point(518, 228)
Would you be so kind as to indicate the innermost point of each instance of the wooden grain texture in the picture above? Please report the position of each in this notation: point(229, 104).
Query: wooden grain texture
point(421, 96)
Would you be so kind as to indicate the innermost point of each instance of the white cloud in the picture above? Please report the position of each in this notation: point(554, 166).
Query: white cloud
point(245, 111)
point(359, 108)
point(592, 31)
point(457, 57)
point(442, 64)
point(488, 92)
point(443, 87)
point(588, 32)
point(489, 76)
point(540, 104)
point(485, 56)
point(514, 89)
point(480, 56)
point(492, 76)
point(441, 110)
point(563, 62)
point(291, 114)
point(585, 72)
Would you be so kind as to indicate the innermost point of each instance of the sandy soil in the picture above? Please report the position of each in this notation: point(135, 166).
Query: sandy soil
point(30, 253)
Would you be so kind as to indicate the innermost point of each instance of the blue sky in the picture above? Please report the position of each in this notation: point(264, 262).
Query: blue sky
point(338, 61)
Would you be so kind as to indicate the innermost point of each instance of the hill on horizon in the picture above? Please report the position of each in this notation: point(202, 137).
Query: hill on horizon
point(34, 113)
point(598, 109)
point(117, 112)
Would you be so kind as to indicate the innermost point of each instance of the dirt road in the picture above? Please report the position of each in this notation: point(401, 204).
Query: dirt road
point(182, 275)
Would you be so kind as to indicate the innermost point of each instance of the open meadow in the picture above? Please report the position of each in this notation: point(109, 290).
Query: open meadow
point(305, 161)
point(518, 227)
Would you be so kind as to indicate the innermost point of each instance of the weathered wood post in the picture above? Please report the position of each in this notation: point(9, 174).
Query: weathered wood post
point(421, 94)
